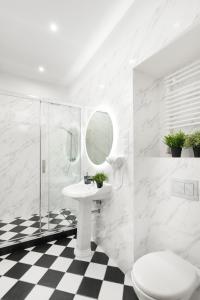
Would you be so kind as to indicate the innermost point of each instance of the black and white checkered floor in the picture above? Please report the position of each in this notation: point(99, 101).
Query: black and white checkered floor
point(20, 228)
point(50, 271)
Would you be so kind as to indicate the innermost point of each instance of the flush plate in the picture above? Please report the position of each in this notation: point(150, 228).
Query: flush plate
point(183, 188)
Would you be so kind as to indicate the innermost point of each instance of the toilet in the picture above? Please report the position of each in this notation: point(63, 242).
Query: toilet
point(164, 276)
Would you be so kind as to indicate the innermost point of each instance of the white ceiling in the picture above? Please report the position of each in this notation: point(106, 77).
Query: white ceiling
point(27, 42)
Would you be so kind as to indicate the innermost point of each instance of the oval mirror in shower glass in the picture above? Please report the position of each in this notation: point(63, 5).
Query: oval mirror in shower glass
point(99, 137)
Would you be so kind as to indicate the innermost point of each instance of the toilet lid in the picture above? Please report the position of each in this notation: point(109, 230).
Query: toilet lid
point(164, 275)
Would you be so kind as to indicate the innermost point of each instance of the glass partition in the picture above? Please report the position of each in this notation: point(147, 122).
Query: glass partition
point(64, 164)
point(39, 156)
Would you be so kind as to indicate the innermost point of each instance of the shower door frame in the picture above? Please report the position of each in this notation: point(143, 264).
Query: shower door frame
point(48, 235)
point(45, 158)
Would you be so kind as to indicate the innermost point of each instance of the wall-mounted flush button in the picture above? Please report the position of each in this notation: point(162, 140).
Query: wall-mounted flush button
point(183, 188)
point(189, 189)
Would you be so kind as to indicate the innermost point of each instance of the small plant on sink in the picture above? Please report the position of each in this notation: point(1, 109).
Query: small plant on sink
point(193, 140)
point(175, 141)
point(99, 178)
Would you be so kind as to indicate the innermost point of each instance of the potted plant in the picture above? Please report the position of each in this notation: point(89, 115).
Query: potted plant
point(176, 142)
point(99, 178)
point(193, 140)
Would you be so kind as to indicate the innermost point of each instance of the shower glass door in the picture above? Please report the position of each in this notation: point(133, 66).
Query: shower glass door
point(62, 163)
point(39, 156)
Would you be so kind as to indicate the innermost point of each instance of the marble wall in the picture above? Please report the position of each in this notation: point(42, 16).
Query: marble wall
point(159, 218)
point(173, 223)
point(148, 115)
point(107, 81)
point(19, 157)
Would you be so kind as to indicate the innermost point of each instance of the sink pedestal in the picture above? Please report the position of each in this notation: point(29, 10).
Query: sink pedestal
point(85, 194)
point(83, 242)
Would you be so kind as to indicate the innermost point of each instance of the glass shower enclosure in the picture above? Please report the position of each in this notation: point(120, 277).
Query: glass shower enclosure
point(40, 145)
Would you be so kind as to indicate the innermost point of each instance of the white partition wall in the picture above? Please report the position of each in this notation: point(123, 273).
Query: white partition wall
point(19, 157)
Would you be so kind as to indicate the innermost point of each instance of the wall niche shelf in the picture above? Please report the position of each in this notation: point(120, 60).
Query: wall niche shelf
point(167, 95)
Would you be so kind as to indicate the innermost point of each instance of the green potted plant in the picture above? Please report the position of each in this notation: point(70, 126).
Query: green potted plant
point(99, 178)
point(175, 141)
point(193, 140)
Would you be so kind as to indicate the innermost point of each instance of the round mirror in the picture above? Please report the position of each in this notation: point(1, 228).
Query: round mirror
point(99, 137)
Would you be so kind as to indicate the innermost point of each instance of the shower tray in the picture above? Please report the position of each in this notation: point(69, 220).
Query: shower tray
point(18, 232)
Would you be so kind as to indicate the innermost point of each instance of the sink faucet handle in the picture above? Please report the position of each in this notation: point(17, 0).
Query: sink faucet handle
point(87, 179)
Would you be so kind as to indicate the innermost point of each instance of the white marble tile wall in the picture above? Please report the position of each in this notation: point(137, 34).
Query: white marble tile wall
point(162, 221)
point(108, 81)
point(172, 222)
point(19, 157)
point(158, 217)
point(147, 110)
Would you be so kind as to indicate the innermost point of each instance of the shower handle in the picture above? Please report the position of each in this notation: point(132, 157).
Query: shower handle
point(43, 166)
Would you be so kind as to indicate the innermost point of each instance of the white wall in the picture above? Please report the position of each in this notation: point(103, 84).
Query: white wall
point(147, 27)
point(19, 157)
point(34, 88)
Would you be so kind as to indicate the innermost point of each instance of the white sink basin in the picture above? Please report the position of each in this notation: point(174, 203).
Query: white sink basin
point(85, 194)
point(82, 191)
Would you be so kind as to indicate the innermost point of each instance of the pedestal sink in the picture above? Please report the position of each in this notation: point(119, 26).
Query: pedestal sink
point(85, 194)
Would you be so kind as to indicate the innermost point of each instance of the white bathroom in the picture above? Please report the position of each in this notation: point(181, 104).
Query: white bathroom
point(99, 149)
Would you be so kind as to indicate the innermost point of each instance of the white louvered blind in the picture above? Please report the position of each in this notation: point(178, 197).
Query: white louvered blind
point(182, 96)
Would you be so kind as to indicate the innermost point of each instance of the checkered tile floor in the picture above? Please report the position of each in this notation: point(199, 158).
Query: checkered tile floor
point(22, 227)
point(50, 271)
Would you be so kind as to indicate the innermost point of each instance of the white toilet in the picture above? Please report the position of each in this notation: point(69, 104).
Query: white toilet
point(164, 276)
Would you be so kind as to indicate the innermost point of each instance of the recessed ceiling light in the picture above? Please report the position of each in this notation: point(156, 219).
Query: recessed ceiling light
point(54, 27)
point(41, 69)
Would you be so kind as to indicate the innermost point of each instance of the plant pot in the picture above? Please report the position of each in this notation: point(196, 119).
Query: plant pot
point(99, 185)
point(176, 152)
point(196, 151)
